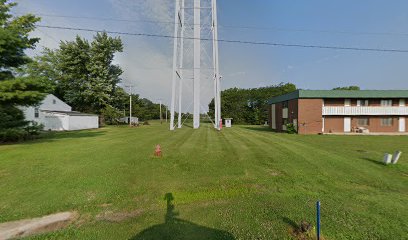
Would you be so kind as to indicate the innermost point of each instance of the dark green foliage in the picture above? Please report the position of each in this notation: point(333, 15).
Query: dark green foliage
point(249, 106)
point(34, 128)
point(14, 39)
point(347, 88)
point(13, 135)
point(290, 128)
point(82, 73)
point(20, 91)
point(11, 117)
point(111, 115)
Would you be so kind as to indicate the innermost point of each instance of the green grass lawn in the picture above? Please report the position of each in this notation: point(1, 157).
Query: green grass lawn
point(242, 183)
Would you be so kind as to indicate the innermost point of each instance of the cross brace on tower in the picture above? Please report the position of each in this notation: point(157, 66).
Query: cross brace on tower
point(180, 55)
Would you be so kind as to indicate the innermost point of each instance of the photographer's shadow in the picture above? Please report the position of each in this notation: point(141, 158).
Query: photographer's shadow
point(177, 229)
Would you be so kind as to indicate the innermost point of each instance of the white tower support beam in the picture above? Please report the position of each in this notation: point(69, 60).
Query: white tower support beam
point(217, 67)
point(181, 63)
point(175, 76)
point(197, 64)
point(188, 61)
point(217, 89)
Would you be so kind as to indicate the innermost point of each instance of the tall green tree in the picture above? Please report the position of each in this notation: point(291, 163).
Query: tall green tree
point(20, 90)
point(82, 72)
point(249, 106)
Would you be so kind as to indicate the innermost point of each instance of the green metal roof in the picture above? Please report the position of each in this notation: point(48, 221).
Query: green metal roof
point(340, 94)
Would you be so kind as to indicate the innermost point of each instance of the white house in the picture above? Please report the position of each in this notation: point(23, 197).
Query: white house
point(56, 115)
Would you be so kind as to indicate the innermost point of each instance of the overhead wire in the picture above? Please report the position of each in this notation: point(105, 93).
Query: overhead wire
point(276, 44)
point(228, 26)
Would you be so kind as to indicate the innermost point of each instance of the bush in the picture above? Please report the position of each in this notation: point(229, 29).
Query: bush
point(31, 131)
point(34, 129)
point(290, 128)
point(111, 115)
point(13, 135)
point(146, 123)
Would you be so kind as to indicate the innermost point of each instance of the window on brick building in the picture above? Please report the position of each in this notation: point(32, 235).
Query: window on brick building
point(362, 122)
point(386, 122)
point(362, 103)
point(386, 103)
point(285, 104)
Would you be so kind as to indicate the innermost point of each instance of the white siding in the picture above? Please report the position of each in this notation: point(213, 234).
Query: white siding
point(367, 111)
point(83, 122)
point(55, 122)
point(52, 103)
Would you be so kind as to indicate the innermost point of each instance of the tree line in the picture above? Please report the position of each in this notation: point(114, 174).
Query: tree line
point(79, 72)
point(249, 106)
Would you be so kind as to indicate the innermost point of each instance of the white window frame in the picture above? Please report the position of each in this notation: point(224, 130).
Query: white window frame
point(363, 125)
point(364, 101)
point(386, 123)
point(36, 112)
point(386, 102)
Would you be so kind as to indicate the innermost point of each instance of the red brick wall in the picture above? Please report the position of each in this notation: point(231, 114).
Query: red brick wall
point(334, 102)
point(374, 124)
point(292, 113)
point(279, 120)
point(406, 124)
point(310, 116)
point(333, 124)
point(293, 110)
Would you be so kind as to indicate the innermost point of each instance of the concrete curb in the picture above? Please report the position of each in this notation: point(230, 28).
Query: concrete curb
point(27, 227)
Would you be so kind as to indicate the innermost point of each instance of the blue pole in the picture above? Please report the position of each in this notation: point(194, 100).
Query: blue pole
point(318, 220)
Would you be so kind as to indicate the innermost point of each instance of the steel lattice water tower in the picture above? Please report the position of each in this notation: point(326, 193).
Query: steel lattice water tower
point(193, 20)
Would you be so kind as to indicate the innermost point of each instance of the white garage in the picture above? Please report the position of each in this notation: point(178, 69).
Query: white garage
point(56, 115)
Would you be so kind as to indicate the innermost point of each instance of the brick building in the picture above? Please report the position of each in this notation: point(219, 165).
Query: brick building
point(340, 111)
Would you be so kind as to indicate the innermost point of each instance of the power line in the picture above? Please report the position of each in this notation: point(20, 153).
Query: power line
point(100, 19)
point(233, 41)
point(230, 26)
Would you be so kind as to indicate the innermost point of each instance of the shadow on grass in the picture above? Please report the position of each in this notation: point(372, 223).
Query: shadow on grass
point(373, 161)
point(53, 136)
point(260, 129)
point(290, 222)
point(177, 229)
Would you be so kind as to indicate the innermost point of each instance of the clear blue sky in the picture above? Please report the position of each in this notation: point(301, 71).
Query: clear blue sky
point(347, 23)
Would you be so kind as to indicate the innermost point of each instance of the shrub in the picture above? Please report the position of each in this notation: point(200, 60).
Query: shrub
point(13, 135)
point(34, 129)
point(31, 131)
point(290, 128)
point(111, 115)
point(146, 123)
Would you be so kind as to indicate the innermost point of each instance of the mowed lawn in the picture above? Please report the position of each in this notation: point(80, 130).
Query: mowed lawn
point(242, 183)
